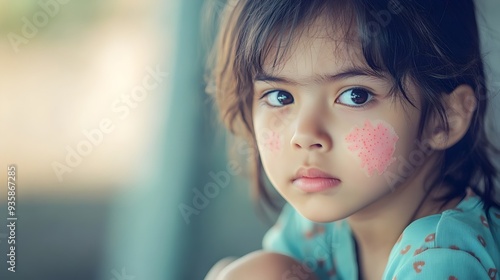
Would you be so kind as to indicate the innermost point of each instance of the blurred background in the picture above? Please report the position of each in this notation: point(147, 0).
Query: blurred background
point(122, 171)
point(103, 112)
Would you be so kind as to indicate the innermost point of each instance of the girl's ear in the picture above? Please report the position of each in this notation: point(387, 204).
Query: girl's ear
point(459, 107)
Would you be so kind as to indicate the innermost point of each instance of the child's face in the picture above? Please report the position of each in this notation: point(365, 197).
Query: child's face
point(331, 114)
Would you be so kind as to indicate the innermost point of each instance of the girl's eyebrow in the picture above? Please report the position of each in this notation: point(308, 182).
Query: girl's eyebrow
point(344, 74)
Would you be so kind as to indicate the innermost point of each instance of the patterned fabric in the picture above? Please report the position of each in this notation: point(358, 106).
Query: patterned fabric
point(460, 243)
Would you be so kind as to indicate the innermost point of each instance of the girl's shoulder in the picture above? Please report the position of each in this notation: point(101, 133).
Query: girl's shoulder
point(466, 236)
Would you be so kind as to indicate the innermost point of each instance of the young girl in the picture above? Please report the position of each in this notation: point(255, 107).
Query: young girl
point(369, 119)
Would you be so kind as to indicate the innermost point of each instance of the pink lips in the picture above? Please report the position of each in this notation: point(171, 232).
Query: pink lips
point(314, 180)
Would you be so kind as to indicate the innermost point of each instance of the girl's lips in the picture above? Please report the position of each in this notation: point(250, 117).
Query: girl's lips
point(315, 184)
point(312, 173)
point(314, 180)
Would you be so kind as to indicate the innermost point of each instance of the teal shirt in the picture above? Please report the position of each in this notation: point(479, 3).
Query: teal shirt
point(460, 243)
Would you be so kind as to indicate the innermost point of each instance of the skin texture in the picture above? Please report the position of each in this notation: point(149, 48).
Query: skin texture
point(272, 141)
point(374, 143)
point(314, 127)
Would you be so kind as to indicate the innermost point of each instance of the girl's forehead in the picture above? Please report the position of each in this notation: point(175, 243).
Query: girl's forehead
point(316, 49)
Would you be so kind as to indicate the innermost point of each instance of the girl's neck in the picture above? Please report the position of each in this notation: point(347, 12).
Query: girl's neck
point(375, 238)
point(377, 227)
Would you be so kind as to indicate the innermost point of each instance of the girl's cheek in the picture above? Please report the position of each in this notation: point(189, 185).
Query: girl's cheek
point(374, 144)
point(271, 141)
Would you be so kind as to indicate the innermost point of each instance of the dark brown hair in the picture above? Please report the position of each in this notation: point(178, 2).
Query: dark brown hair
point(435, 43)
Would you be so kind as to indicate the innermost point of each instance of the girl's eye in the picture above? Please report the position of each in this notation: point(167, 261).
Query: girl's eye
point(278, 98)
point(355, 97)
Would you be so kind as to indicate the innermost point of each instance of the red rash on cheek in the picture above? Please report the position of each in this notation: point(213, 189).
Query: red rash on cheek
point(374, 144)
point(272, 141)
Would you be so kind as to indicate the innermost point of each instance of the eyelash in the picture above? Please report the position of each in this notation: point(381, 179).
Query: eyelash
point(371, 97)
point(367, 103)
point(269, 92)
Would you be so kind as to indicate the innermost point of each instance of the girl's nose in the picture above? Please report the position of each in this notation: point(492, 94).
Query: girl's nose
point(310, 134)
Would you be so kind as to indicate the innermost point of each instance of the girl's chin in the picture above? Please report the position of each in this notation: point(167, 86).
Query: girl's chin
point(319, 215)
point(324, 218)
